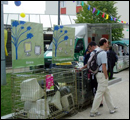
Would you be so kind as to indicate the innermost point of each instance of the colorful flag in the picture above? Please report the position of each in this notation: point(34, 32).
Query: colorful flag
point(82, 4)
point(103, 15)
point(119, 20)
point(114, 19)
point(89, 7)
point(98, 12)
point(94, 10)
point(107, 16)
point(111, 18)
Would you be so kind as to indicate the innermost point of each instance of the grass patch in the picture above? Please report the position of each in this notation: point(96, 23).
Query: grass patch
point(6, 104)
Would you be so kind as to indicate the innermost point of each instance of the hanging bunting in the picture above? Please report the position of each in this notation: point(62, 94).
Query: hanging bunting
point(114, 19)
point(94, 10)
point(111, 18)
point(124, 21)
point(119, 20)
point(89, 7)
point(82, 4)
point(98, 12)
point(127, 30)
point(107, 16)
point(103, 15)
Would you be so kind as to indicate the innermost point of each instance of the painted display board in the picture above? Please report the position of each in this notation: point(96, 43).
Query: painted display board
point(63, 44)
point(27, 44)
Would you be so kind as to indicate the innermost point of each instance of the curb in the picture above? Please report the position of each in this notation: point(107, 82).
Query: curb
point(114, 81)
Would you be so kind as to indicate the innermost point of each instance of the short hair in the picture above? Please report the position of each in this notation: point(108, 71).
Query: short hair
point(92, 44)
point(102, 41)
point(110, 47)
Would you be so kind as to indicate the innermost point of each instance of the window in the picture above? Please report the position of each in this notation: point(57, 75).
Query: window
point(62, 4)
point(79, 46)
point(79, 3)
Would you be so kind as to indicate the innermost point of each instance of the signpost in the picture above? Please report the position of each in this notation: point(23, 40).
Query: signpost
point(3, 67)
point(58, 12)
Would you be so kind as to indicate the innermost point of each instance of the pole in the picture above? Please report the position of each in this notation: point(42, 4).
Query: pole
point(3, 70)
point(58, 12)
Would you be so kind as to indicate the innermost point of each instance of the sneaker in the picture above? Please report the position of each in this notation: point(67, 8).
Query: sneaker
point(113, 111)
point(101, 105)
point(115, 108)
point(95, 114)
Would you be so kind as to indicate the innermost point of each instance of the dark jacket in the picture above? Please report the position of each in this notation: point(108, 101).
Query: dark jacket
point(86, 58)
point(112, 58)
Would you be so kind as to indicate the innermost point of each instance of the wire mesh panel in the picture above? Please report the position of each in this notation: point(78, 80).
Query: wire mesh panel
point(32, 99)
point(84, 90)
point(27, 95)
point(64, 79)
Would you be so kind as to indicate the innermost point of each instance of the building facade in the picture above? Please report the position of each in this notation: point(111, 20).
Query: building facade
point(66, 7)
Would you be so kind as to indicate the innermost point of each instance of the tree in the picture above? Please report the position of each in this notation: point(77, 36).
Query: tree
point(86, 15)
point(16, 34)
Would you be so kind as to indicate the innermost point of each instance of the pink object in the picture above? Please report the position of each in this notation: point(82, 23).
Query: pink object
point(49, 82)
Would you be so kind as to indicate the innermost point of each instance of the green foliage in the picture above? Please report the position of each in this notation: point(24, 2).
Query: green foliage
point(86, 16)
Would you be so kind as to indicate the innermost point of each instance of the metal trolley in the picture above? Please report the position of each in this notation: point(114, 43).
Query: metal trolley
point(32, 100)
point(84, 90)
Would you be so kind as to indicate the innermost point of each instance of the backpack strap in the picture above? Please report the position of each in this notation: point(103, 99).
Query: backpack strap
point(97, 54)
point(99, 51)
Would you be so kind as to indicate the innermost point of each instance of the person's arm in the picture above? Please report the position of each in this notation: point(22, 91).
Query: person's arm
point(104, 70)
point(85, 66)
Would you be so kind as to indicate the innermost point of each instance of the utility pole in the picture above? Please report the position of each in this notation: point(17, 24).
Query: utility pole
point(58, 12)
point(3, 66)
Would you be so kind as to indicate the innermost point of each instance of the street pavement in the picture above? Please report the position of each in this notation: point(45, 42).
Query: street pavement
point(120, 94)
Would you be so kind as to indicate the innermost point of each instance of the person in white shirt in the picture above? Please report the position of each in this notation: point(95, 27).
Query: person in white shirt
point(102, 79)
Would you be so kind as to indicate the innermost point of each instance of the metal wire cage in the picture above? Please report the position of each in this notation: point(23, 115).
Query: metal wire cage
point(84, 90)
point(32, 100)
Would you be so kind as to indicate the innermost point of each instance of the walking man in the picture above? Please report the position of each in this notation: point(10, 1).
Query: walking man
point(102, 79)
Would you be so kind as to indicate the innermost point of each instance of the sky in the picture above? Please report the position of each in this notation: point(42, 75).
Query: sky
point(37, 7)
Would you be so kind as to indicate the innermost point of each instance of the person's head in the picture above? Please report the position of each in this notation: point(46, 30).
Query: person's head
point(92, 45)
point(104, 43)
point(110, 47)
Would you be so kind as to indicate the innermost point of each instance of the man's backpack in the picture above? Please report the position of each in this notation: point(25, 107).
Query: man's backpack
point(92, 62)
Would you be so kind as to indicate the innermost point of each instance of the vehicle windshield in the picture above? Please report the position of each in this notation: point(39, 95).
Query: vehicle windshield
point(50, 47)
